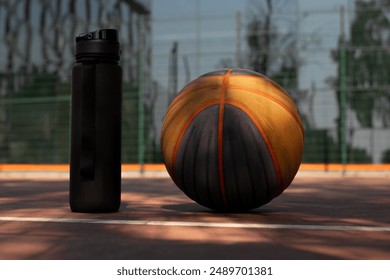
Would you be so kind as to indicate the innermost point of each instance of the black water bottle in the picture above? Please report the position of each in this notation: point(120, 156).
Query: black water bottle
point(95, 157)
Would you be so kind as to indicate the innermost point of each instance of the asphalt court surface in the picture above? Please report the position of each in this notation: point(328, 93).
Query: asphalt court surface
point(315, 218)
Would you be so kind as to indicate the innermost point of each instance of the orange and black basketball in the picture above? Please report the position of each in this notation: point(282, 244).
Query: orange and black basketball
point(232, 140)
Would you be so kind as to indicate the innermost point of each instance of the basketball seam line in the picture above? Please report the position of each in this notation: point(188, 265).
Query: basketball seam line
point(187, 90)
point(272, 99)
point(224, 88)
point(275, 161)
point(184, 129)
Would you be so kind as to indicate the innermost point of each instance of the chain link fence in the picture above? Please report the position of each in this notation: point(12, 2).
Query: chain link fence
point(335, 63)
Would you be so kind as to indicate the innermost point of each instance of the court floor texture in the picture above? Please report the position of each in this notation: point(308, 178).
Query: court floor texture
point(317, 217)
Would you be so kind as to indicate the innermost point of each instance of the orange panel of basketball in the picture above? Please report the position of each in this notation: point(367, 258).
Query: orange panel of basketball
point(232, 140)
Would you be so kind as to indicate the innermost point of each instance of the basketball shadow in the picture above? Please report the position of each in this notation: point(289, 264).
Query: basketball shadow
point(196, 208)
point(187, 208)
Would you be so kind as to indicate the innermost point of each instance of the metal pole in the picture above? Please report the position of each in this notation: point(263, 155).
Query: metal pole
point(198, 37)
point(238, 39)
point(173, 70)
point(342, 95)
point(141, 117)
point(141, 144)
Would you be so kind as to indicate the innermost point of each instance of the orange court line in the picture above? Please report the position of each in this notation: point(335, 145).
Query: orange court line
point(65, 167)
point(341, 167)
point(161, 167)
point(33, 167)
point(146, 167)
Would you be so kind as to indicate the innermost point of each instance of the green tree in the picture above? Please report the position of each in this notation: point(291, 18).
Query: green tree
point(386, 156)
point(368, 60)
point(270, 51)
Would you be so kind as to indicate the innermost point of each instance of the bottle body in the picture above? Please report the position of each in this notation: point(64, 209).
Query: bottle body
point(95, 157)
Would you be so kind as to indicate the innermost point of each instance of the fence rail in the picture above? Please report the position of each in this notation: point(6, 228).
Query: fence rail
point(37, 131)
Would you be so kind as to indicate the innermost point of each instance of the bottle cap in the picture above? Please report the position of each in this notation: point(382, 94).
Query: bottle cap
point(102, 34)
point(97, 44)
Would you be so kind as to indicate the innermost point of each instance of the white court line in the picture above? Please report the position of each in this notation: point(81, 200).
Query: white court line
point(195, 224)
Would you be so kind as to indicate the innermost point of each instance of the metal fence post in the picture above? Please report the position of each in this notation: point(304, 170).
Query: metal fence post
point(141, 117)
point(342, 95)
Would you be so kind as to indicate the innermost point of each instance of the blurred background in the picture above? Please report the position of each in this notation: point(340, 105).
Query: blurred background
point(333, 57)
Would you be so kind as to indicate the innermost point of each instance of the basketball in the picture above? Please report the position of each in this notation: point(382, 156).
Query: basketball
point(232, 140)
